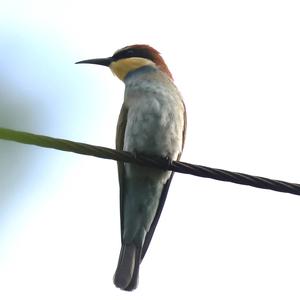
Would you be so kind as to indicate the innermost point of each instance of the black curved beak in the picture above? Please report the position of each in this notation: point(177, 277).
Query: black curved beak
point(97, 61)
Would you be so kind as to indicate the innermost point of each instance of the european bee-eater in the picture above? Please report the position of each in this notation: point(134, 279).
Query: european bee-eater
point(152, 121)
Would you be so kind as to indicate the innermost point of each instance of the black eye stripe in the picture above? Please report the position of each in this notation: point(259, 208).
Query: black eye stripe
point(127, 53)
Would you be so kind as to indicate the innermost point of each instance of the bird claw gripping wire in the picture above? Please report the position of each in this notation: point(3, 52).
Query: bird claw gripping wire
point(162, 162)
point(166, 162)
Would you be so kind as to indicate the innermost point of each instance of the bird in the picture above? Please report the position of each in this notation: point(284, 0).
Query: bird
point(152, 122)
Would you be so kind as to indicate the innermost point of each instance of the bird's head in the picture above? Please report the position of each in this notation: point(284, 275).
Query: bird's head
point(131, 58)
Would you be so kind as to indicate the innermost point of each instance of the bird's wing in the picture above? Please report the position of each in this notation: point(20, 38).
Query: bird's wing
point(162, 200)
point(163, 196)
point(184, 129)
point(122, 121)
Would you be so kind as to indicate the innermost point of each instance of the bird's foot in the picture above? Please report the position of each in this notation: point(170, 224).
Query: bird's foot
point(164, 162)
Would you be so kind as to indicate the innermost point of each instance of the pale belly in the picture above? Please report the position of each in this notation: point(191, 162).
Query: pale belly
point(155, 126)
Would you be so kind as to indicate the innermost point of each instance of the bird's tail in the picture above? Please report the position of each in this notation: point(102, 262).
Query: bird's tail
point(127, 272)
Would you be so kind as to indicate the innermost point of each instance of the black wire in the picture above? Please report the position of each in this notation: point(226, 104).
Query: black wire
point(157, 162)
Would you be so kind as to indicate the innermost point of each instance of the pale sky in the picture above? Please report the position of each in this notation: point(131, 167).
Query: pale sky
point(237, 66)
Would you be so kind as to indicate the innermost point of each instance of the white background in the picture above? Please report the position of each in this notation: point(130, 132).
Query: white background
point(237, 65)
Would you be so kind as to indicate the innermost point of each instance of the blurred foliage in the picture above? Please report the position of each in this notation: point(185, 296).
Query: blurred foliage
point(16, 111)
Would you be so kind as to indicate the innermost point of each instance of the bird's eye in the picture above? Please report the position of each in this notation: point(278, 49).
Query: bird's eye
point(124, 54)
point(130, 52)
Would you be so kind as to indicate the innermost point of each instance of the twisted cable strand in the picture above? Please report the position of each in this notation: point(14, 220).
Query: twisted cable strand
point(156, 162)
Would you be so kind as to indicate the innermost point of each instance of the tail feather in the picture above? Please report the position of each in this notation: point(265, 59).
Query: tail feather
point(127, 272)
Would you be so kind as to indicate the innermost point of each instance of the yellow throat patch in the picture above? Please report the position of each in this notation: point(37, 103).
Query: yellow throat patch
point(122, 66)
